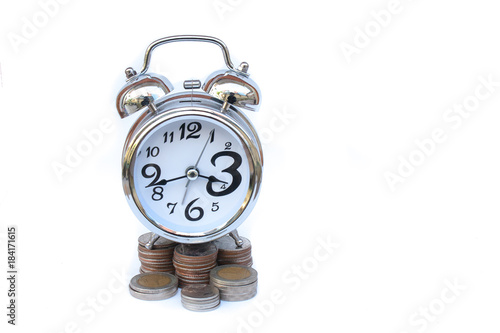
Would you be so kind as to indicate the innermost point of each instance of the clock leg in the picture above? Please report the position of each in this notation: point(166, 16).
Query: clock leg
point(234, 235)
point(152, 241)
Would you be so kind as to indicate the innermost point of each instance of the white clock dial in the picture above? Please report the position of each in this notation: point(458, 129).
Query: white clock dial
point(191, 175)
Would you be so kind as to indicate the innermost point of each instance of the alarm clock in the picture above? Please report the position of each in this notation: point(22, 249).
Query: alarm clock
point(192, 161)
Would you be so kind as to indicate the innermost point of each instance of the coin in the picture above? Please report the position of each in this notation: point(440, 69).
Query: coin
point(235, 282)
point(193, 263)
point(227, 243)
point(234, 275)
point(153, 286)
point(152, 282)
point(156, 252)
point(144, 269)
point(200, 292)
point(161, 243)
point(152, 297)
point(157, 259)
point(195, 251)
point(201, 297)
point(238, 298)
point(236, 289)
point(230, 253)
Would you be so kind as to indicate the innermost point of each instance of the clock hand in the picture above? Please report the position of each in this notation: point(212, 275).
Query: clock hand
point(185, 193)
point(204, 147)
point(165, 181)
point(196, 165)
point(177, 178)
point(213, 179)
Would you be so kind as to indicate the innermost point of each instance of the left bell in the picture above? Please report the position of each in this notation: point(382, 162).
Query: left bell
point(140, 90)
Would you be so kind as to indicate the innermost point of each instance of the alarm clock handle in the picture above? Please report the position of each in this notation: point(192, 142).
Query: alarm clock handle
point(193, 38)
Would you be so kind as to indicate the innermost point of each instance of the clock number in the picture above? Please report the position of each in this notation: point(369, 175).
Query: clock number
point(157, 193)
point(232, 170)
point(215, 206)
point(212, 135)
point(153, 151)
point(228, 146)
point(168, 137)
point(156, 175)
point(189, 211)
point(193, 127)
point(171, 204)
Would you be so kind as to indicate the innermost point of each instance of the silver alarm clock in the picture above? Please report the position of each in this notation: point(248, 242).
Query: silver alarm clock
point(192, 162)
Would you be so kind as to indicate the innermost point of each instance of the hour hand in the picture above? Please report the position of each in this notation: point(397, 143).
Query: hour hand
point(213, 179)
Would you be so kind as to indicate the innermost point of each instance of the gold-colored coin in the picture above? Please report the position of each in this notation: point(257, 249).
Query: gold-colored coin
point(154, 280)
point(234, 273)
point(153, 283)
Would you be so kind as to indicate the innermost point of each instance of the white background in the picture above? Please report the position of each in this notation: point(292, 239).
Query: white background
point(334, 125)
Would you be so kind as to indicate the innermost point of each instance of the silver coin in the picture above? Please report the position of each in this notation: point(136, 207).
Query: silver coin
point(157, 269)
point(158, 264)
point(227, 244)
point(155, 252)
point(240, 255)
point(247, 262)
point(213, 301)
point(200, 308)
point(200, 292)
point(200, 297)
point(161, 243)
point(195, 252)
point(236, 290)
point(237, 298)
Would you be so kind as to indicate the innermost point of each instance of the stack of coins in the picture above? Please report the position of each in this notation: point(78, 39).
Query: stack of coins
point(200, 297)
point(235, 282)
point(193, 263)
point(153, 286)
point(159, 257)
point(230, 253)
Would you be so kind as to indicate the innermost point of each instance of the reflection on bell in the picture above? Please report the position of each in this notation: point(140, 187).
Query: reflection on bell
point(233, 88)
point(139, 91)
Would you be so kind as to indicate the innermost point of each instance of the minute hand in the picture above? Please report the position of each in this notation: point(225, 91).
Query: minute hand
point(196, 164)
point(204, 147)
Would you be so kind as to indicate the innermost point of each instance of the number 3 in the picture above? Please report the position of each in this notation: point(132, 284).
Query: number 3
point(232, 170)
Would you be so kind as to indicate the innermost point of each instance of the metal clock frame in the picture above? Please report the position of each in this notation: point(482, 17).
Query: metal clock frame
point(205, 106)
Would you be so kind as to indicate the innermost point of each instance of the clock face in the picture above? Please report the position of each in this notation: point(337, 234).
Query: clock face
point(191, 175)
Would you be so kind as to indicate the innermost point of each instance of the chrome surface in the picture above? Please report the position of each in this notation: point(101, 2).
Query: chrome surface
point(152, 241)
point(236, 237)
point(192, 84)
point(243, 67)
point(192, 174)
point(139, 91)
point(188, 38)
point(151, 105)
point(169, 108)
point(130, 72)
point(233, 88)
point(224, 94)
